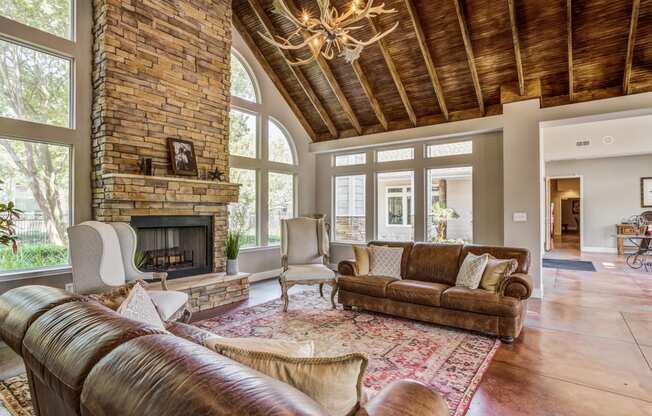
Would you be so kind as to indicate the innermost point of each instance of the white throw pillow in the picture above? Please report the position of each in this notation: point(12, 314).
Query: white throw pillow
point(274, 346)
point(139, 307)
point(471, 271)
point(385, 261)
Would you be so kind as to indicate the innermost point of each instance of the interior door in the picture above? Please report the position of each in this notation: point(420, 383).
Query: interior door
point(548, 203)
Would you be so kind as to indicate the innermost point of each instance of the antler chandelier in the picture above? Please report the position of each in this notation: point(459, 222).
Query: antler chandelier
point(331, 33)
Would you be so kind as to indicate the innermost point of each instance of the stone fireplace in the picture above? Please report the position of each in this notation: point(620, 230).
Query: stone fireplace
point(161, 70)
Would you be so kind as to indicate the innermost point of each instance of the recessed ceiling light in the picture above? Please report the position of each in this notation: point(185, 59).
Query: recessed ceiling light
point(608, 139)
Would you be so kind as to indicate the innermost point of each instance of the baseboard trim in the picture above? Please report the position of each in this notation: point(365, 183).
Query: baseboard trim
point(610, 250)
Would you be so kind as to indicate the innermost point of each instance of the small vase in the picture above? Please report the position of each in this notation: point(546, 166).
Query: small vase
point(231, 267)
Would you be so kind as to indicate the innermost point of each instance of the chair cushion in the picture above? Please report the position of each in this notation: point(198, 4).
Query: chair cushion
point(302, 241)
point(168, 302)
point(365, 285)
point(308, 272)
point(480, 301)
point(414, 291)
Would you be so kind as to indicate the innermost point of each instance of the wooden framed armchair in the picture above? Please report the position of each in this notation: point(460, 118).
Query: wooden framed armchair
point(304, 256)
point(102, 256)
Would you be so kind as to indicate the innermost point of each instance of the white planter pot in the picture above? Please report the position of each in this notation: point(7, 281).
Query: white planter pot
point(231, 267)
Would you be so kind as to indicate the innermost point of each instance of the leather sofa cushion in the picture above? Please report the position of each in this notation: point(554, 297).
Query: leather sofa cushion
point(164, 375)
point(64, 344)
point(365, 285)
point(21, 306)
point(480, 301)
point(414, 291)
point(407, 249)
point(437, 263)
point(521, 255)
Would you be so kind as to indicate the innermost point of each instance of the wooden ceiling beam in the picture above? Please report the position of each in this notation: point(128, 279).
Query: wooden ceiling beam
point(395, 75)
point(330, 78)
point(468, 47)
point(296, 71)
point(366, 86)
point(631, 40)
point(427, 57)
point(569, 39)
point(272, 75)
point(517, 46)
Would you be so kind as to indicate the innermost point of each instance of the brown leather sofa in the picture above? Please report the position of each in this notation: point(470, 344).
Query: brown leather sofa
point(427, 289)
point(84, 359)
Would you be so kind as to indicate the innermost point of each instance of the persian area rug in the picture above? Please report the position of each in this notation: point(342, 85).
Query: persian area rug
point(14, 397)
point(450, 361)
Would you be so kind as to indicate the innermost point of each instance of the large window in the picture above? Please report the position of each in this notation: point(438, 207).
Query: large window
point(36, 178)
point(45, 113)
point(395, 155)
point(395, 206)
point(52, 16)
point(262, 160)
point(449, 149)
point(242, 216)
point(350, 208)
point(450, 205)
point(34, 85)
point(281, 203)
point(351, 160)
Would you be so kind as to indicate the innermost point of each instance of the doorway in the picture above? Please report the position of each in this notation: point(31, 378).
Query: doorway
point(564, 209)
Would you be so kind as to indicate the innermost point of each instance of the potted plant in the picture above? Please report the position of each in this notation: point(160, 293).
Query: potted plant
point(440, 215)
point(8, 214)
point(233, 243)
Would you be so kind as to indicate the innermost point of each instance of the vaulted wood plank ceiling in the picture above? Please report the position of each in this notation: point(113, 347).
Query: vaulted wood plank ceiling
point(458, 59)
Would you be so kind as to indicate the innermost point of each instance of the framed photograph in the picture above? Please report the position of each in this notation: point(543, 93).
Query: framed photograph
point(646, 192)
point(182, 157)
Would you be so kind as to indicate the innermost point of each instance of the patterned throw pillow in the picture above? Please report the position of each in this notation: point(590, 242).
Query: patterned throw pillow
point(496, 271)
point(471, 271)
point(385, 261)
point(139, 307)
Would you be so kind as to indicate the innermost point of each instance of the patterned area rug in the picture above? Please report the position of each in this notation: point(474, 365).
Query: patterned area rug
point(14, 397)
point(449, 361)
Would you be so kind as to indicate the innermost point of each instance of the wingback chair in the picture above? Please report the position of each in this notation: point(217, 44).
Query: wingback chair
point(102, 257)
point(304, 251)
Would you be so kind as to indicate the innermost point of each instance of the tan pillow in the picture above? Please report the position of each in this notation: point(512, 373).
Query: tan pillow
point(333, 382)
point(275, 346)
point(471, 271)
point(361, 260)
point(496, 271)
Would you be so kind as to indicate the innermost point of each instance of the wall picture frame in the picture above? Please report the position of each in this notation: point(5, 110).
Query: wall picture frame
point(182, 157)
point(646, 192)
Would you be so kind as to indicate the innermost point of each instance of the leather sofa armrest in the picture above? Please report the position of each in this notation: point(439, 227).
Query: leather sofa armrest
point(517, 285)
point(347, 268)
point(405, 398)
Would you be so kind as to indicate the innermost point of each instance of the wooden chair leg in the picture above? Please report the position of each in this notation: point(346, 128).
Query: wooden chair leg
point(333, 293)
point(284, 290)
point(321, 290)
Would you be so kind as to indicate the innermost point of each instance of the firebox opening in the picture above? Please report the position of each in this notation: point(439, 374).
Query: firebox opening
point(179, 245)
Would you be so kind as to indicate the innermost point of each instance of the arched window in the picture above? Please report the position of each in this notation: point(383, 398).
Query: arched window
point(280, 149)
point(263, 161)
point(242, 82)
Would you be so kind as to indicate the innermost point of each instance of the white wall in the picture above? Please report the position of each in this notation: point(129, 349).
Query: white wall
point(264, 259)
point(610, 192)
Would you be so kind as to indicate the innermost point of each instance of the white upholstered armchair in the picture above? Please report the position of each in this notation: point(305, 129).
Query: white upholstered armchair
point(304, 256)
point(102, 256)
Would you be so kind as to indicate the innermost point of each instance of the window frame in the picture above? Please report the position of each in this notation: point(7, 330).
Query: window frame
point(252, 77)
point(77, 135)
point(261, 163)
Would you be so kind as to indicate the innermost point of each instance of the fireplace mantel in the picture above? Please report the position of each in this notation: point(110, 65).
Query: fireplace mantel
point(120, 187)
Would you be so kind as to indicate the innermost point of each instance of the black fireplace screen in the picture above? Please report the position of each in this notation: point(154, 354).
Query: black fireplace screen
point(178, 245)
